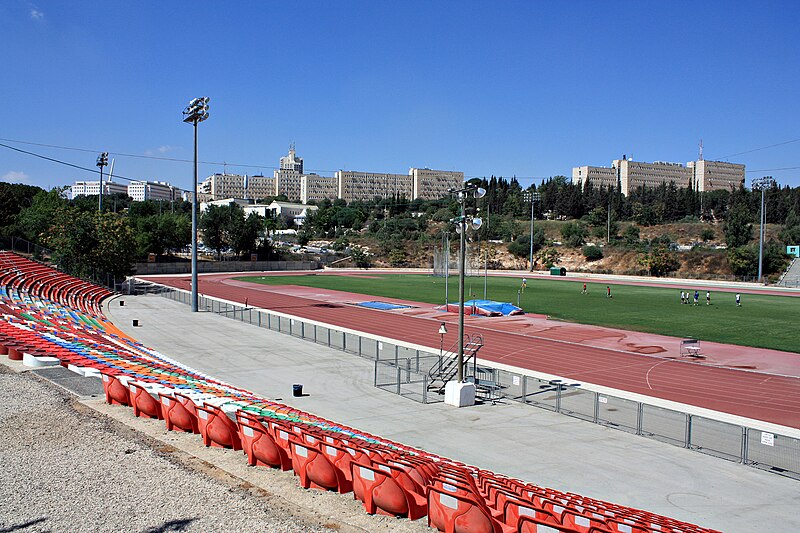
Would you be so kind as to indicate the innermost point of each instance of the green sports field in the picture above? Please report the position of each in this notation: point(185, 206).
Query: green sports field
point(763, 321)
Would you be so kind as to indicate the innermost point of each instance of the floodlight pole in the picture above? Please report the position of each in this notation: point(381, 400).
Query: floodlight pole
point(195, 112)
point(534, 197)
point(461, 262)
point(762, 183)
point(102, 161)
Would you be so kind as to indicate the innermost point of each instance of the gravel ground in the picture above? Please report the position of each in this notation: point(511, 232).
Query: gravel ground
point(70, 465)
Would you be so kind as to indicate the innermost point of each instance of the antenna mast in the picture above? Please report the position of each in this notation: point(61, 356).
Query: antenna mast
point(701, 149)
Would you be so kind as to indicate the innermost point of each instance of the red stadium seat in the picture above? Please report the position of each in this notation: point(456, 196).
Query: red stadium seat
point(143, 402)
point(261, 448)
point(116, 392)
point(314, 469)
point(217, 429)
point(381, 493)
point(454, 513)
point(177, 415)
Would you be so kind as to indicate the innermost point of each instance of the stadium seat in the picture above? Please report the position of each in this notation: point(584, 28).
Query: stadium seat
point(116, 391)
point(216, 428)
point(261, 448)
point(455, 513)
point(382, 493)
point(314, 469)
point(143, 403)
point(177, 415)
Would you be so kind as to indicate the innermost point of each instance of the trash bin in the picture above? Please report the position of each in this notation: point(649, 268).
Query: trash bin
point(558, 271)
point(135, 323)
point(297, 389)
point(121, 303)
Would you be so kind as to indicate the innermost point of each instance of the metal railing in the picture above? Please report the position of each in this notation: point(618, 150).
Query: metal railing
point(403, 370)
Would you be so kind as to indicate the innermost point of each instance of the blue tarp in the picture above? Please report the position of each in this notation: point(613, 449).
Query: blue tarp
point(490, 307)
point(383, 306)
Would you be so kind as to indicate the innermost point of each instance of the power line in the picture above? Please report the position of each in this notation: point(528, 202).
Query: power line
point(93, 171)
point(762, 148)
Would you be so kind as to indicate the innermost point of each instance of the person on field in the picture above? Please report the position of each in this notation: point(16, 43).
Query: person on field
point(696, 297)
point(608, 292)
point(683, 297)
point(708, 297)
point(584, 289)
point(524, 284)
point(738, 300)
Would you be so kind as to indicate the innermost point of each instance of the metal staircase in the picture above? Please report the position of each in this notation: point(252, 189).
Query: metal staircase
point(447, 367)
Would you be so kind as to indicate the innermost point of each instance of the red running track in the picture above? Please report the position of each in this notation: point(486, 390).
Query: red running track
point(755, 395)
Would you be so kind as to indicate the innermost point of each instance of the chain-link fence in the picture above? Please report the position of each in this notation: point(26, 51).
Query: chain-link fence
point(403, 370)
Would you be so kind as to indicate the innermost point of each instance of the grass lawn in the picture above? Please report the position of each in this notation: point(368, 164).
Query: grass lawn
point(762, 321)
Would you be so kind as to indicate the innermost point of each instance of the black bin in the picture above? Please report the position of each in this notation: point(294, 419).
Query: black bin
point(121, 303)
point(297, 389)
point(135, 323)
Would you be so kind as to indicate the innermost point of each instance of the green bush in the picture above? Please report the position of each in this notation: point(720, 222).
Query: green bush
point(592, 253)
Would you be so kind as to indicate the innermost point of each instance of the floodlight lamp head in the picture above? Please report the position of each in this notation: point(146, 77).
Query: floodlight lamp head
point(476, 223)
point(480, 192)
point(442, 329)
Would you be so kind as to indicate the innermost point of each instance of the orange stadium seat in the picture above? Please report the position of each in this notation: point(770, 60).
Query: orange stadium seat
point(143, 403)
point(315, 469)
point(458, 513)
point(261, 448)
point(382, 493)
point(177, 415)
point(217, 429)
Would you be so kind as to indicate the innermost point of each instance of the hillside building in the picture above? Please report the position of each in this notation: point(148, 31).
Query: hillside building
point(629, 175)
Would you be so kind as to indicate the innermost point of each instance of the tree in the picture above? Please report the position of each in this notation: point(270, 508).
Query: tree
point(13, 198)
point(360, 257)
point(244, 233)
point(592, 253)
point(659, 260)
point(34, 221)
point(574, 234)
point(213, 223)
point(631, 236)
point(738, 229)
point(521, 246)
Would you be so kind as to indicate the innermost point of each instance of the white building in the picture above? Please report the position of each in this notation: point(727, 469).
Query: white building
point(629, 175)
point(140, 191)
point(292, 213)
point(92, 188)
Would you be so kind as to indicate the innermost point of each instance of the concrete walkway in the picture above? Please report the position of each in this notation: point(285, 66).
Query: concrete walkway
point(522, 441)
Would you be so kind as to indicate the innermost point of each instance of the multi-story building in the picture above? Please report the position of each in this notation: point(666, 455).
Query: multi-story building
point(434, 184)
point(366, 186)
point(92, 188)
point(716, 175)
point(219, 186)
point(157, 190)
point(290, 180)
point(315, 188)
point(630, 175)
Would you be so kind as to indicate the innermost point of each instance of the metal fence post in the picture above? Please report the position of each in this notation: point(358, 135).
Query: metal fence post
point(375, 375)
point(360, 338)
point(524, 389)
point(639, 418)
point(558, 398)
point(596, 407)
point(425, 388)
point(745, 437)
point(688, 443)
point(398, 379)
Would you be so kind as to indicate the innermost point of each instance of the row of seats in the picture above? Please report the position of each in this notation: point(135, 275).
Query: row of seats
point(386, 477)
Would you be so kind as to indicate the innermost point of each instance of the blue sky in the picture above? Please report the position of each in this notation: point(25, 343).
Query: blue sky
point(506, 88)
